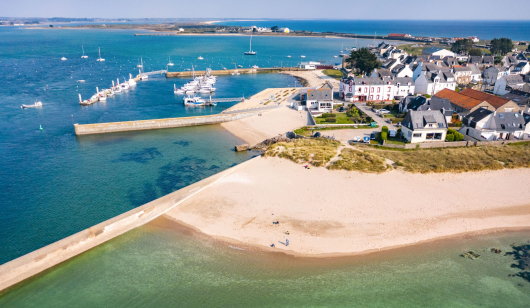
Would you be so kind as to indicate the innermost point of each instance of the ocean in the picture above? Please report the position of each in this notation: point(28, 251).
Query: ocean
point(164, 265)
point(484, 29)
point(54, 184)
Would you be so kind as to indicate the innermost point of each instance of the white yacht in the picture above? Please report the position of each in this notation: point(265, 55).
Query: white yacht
point(83, 56)
point(100, 59)
point(289, 56)
point(170, 63)
point(116, 89)
point(35, 105)
point(132, 82)
point(200, 58)
point(255, 66)
point(63, 59)
point(177, 91)
point(250, 52)
point(83, 102)
point(194, 101)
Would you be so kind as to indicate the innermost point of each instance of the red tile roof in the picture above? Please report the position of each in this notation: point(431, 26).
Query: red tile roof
point(458, 99)
point(493, 100)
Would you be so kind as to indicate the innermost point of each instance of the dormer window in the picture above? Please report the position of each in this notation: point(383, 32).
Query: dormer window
point(501, 116)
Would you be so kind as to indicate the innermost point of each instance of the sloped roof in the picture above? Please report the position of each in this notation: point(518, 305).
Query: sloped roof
point(493, 100)
point(509, 121)
point(418, 119)
point(458, 99)
point(476, 116)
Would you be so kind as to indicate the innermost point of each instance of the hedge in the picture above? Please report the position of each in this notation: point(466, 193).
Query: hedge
point(329, 115)
point(331, 120)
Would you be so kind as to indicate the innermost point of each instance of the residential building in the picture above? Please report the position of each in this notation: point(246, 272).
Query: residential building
point(435, 51)
point(482, 61)
point(424, 125)
point(487, 125)
point(411, 102)
point(284, 30)
point(375, 89)
point(318, 99)
point(521, 98)
point(507, 83)
point(462, 104)
point(462, 74)
point(493, 73)
point(399, 35)
point(401, 70)
point(439, 104)
point(499, 104)
point(521, 68)
point(476, 74)
point(433, 82)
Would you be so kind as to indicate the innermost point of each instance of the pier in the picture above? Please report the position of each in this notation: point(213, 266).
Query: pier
point(231, 71)
point(112, 127)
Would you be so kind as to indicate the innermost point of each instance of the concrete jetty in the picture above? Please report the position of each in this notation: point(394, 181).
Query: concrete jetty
point(240, 70)
point(112, 127)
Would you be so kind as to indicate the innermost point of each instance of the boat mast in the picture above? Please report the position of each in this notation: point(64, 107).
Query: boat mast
point(251, 40)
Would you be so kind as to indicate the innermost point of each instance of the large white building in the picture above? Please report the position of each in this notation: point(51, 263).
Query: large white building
point(433, 82)
point(374, 89)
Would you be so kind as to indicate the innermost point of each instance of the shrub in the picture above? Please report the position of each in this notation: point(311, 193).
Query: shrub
point(331, 120)
point(329, 115)
point(384, 135)
point(427, 96)
point(396, 120)
point(369, 119)
point(384, 129)
point(457, 136)
point(450, 137)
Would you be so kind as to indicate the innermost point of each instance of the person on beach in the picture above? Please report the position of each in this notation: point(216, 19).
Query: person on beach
point(286, 242)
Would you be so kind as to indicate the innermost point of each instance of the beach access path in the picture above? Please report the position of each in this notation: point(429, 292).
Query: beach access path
point(341, 212)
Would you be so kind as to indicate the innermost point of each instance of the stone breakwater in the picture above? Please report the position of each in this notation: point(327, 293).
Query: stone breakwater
point(111, 127)
point(39, 260)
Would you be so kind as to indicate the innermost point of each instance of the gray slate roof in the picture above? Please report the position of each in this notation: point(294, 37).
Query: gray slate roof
point(416, 120)
point(476, 116)
point(462, 69)
point(441, 104)
point(513, 79)
point(508, 121)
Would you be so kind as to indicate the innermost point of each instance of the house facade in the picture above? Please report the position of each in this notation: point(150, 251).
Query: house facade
point(319, 99)
point(462, 74)
point(374, 89)
point(434, 82)
point(507, 83)
point(424, 126)
point(487, 125)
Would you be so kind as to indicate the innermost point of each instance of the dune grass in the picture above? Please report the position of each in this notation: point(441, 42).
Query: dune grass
point(317, 152)
point(353, 160)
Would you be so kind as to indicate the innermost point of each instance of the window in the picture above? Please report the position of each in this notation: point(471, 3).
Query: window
point(365, 89)
point(501, 116)
point(430, 136)
point(378, 90)
point(372, 89)
point(371, 97)
point(440, 125)
point(438, 136)
point(417, 135)
point(377, 97)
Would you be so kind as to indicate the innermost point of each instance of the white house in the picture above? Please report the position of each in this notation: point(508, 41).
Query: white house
point(493, 73)
point(434, 82)
point(319, 99)
point(401, 70)
point(435, 51)
point(424, 126)
point(507, 83)
point(311, 65)
point(375, 89)
point(284, 30)
point(483, 124)
point(522, 68)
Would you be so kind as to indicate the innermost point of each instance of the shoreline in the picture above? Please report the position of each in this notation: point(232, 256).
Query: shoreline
point(242, 206)
point(226, 242)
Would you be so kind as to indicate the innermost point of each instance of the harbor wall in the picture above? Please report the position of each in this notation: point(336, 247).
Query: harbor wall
point(101, 128)
point(240, 70)
point(42, 259)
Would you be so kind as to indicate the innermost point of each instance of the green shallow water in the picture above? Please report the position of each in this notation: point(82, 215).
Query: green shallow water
point(160, 266)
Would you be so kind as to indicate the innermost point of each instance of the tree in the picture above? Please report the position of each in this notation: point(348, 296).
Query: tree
point(501, 46)
point(364, 61)
point(462, 46)
point(274, 29)
point(475, 52)
point(528, 48)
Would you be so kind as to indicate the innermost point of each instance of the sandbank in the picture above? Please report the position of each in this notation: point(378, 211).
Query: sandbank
point(340, 212)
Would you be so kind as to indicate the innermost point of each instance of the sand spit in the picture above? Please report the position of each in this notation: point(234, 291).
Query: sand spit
point(340, 212)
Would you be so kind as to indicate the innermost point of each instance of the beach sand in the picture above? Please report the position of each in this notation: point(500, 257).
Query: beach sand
point(340, 212)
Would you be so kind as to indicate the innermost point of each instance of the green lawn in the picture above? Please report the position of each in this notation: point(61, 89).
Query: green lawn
point(342, 118)
point(334, 73)
point(306, 131)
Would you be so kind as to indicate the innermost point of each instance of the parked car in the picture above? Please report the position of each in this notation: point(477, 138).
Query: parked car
point(357, 139)
point(383, 111)
point(341, 109)
point(392, 133)
point(372, 135)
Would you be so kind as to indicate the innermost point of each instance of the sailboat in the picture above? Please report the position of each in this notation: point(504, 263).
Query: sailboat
point(141, 64)
point(83, 56)
point(100, 59)
point(170, 63)
point(250, 52)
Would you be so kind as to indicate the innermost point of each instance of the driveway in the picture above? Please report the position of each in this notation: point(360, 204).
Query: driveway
point(368, 110)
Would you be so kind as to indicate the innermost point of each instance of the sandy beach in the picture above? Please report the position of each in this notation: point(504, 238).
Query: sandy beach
point(340, 212)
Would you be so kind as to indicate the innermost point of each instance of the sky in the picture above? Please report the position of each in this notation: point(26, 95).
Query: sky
point(282, 9)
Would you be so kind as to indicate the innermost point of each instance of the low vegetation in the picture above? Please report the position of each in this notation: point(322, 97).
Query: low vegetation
point(353, 160)
point(337, 74)
point(317, 152)
point(308, 130)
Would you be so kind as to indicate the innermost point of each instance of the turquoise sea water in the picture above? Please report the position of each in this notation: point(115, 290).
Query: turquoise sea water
point(484, 29)
point(52, 183)
point(157, 266)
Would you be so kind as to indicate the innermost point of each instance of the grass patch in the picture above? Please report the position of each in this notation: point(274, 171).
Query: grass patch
point(333, 73)
point(306, 131)
point(353, 160)
point(342, 118)
point(317, 152)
